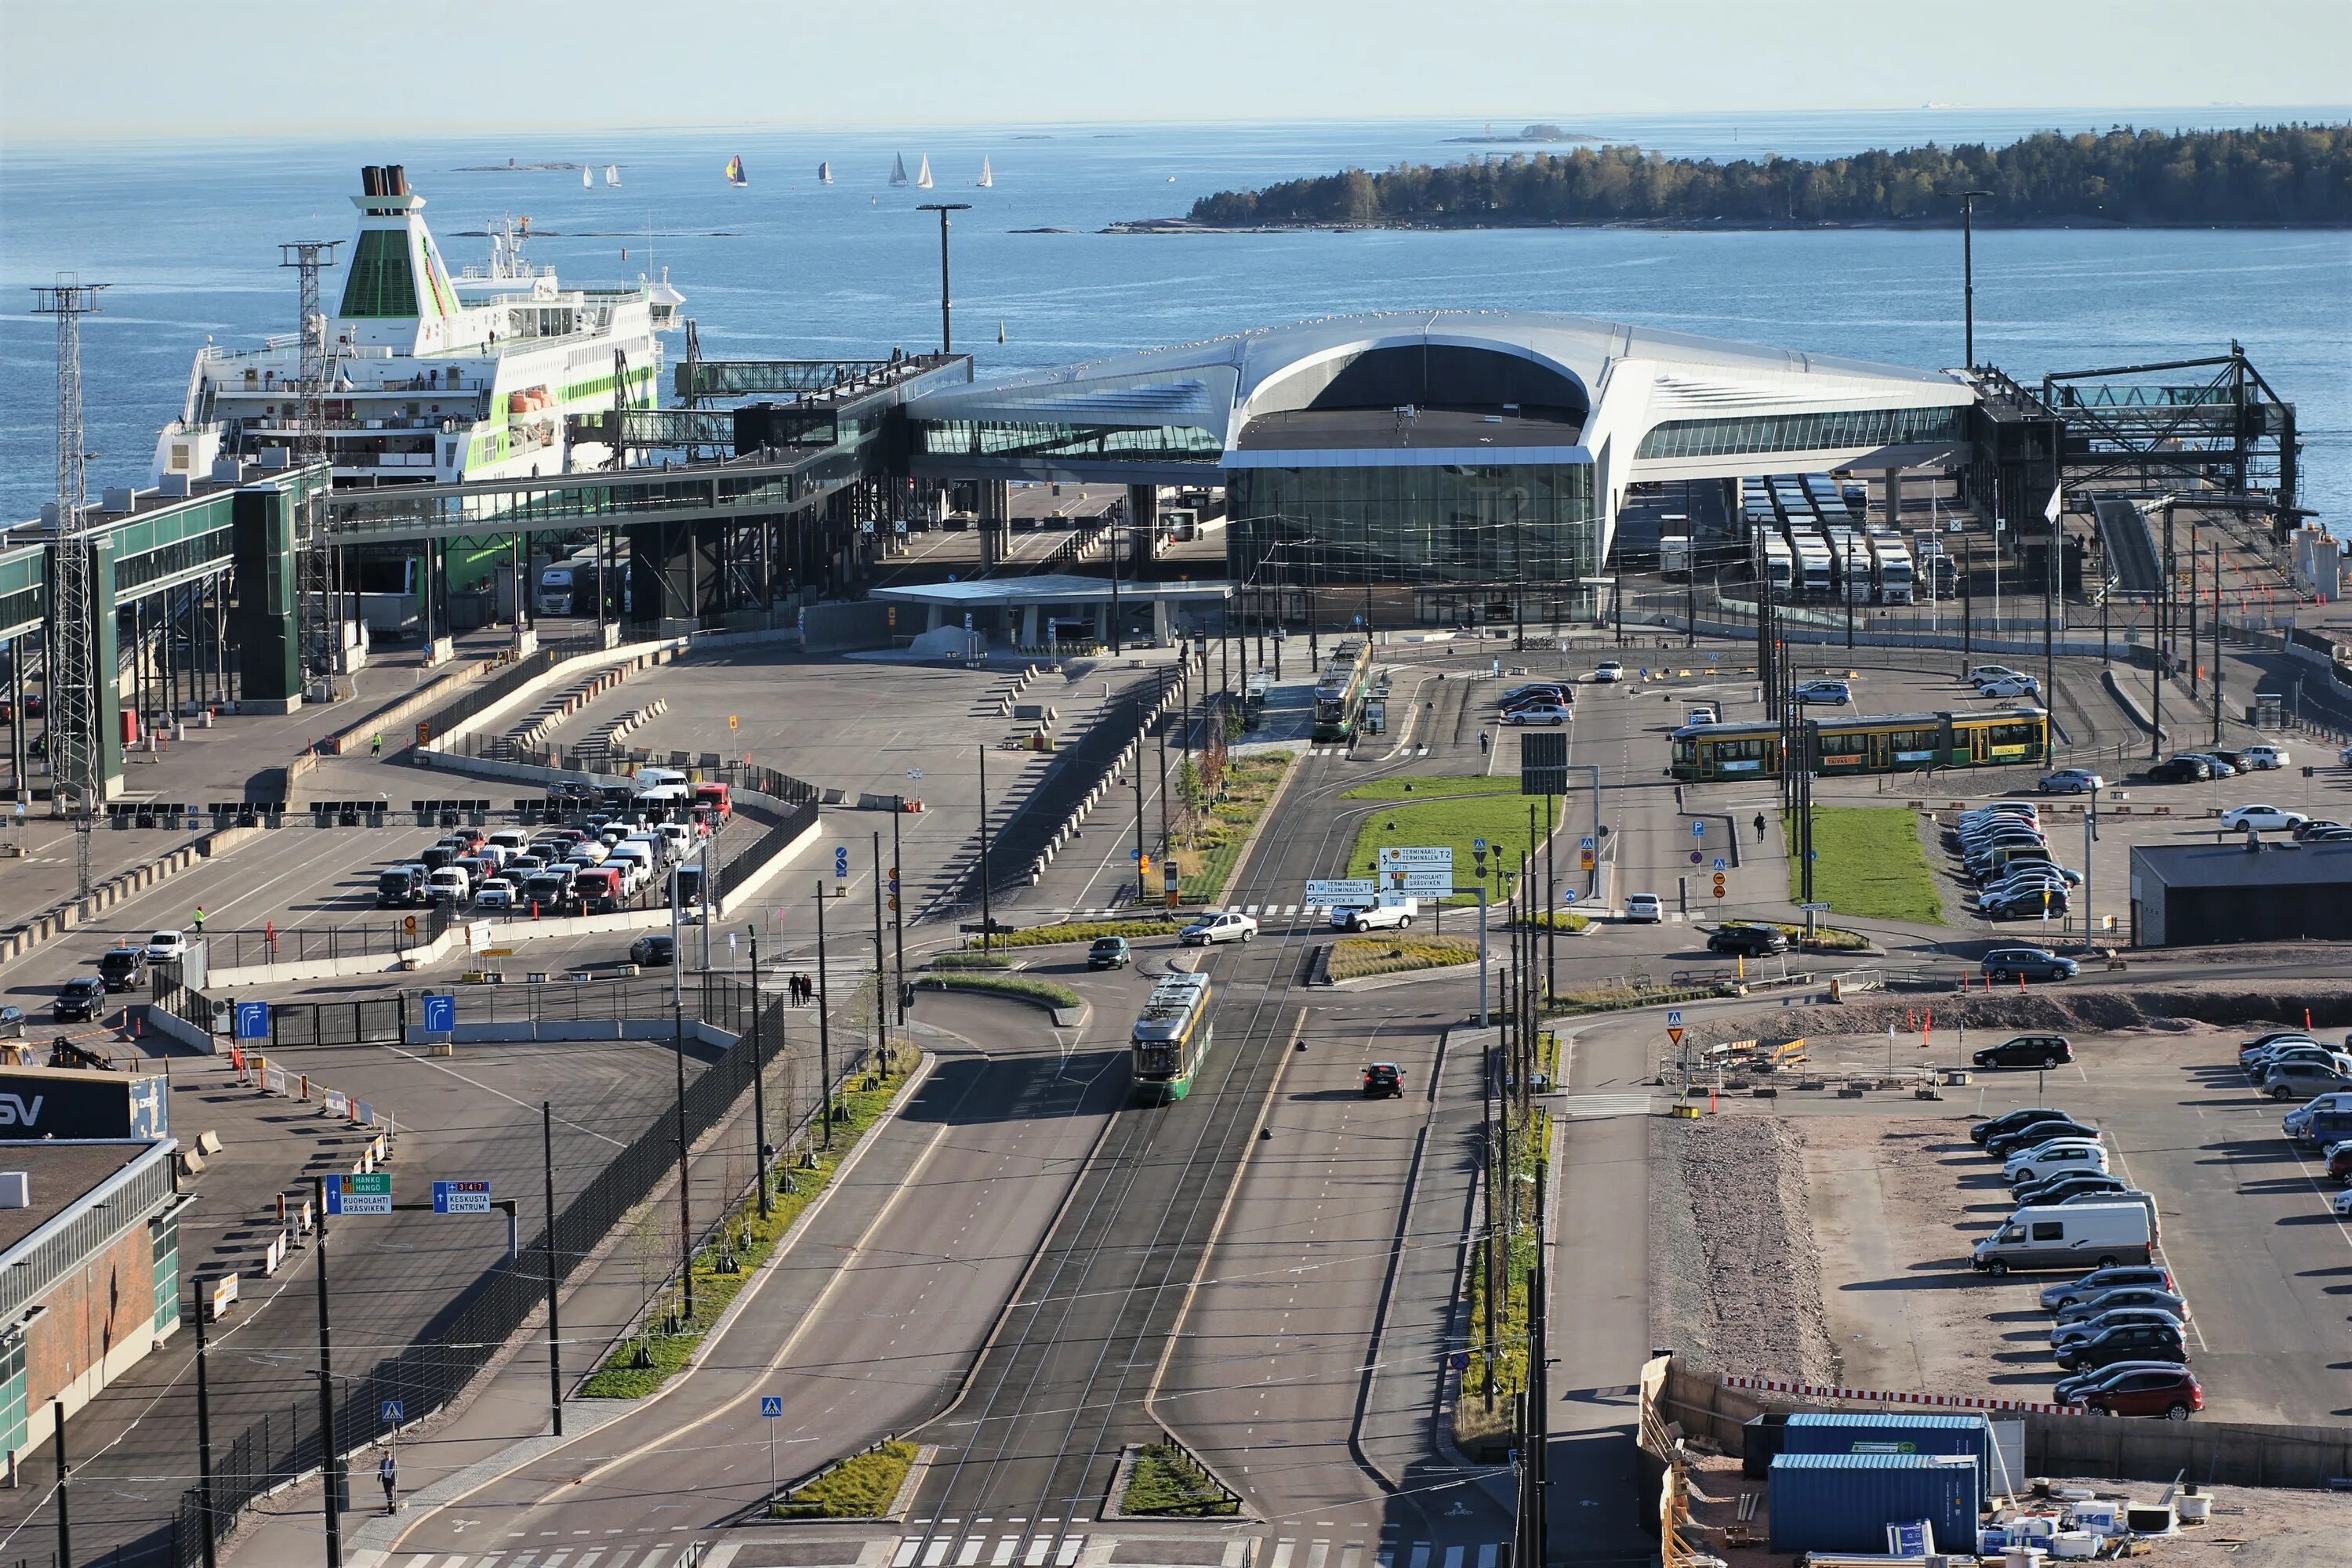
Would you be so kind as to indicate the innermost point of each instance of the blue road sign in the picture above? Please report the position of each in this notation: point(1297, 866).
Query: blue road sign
point(1674, 1018)
point(253, 1020)
point(771, 1406)
point(1721, 863)
point(440, 1014)
point(394, 1413)
point(1713, 657)
point(1459, 1360)
point(1645, 672)
point(461, 1197)
point(1698, 829)
point(1697, 855)
point(1569, 896)
point(841, 862)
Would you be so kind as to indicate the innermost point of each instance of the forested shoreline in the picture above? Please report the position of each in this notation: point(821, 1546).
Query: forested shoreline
point(2281, 175)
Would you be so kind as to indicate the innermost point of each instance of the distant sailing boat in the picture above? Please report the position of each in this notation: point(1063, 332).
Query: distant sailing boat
point(898, 169)
point(587, 180)
point(1000, 332)
point(825, 173)
point(735, 170)
point(611, 173)
point(923, 179)
point(987, 175)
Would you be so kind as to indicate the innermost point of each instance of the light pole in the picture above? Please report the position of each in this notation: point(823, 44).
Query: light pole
point(1969, 200)
point(946, 333)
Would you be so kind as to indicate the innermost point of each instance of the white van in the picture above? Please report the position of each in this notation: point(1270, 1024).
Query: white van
point(1383, 917)
point(655, 778)
point(655, 845)
point(450, 884)
point(2068, 1235)
point(679, 837)
point(636, 860)
point(663, 798)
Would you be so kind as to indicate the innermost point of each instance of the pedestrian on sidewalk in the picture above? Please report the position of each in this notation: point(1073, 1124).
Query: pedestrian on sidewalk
point(1760, 827)
point(1482, 743)
point(389, 1474)
point(375, 748)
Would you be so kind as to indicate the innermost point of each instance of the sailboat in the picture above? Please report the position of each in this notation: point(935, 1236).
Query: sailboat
point(923, 178)
point(898, 169)
point(587, 180)
point(1000, 332)
point(735, 170)
point(611, 173)
point(825, 173)
point(987, 175)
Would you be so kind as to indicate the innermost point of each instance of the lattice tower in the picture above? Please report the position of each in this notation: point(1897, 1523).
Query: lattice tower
point(314, 562)
point(77, 765)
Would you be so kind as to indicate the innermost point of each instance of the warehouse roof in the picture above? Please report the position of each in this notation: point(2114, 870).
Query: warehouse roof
point(2280, 864)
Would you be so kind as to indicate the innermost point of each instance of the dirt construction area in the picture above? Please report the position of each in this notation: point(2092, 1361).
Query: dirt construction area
point(1824, 1237)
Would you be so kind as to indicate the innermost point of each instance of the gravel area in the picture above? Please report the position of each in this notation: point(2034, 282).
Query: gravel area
point(1735, 1247)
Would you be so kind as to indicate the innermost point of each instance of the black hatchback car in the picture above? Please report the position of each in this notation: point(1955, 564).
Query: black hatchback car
point(2027, 1051)
point(2035, 1133)
point(2127, 1341)
point(2010, 1121)
point(1383, 1080)
point(2180, 770)
point(1749, 940)
point(654, 950)
point(79, 1000)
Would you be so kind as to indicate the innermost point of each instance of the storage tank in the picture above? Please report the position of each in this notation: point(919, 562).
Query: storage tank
point(1891, 1432)
point(1844, 1502)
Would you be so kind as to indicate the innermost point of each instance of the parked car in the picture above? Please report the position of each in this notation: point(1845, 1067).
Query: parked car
point(2066, 1292)
point(449, 885)
point(2180, 769)
point(79, 1000)
point(2115, 1296)
point(2293, 1081)
point(120, 969)
point(2066, 1187)
point(2031, 963)
point(2082, 1329)
point(2035, 1133)
point(2261, 819)
point(1748, 940)
point(1383, 1080)
point(2014, 1120)
point(2303, 1115)
point(1608, 670)
point(2056, 1237)
point(2127, 1341)
point(2329, 836)
point(2172, 1393)
point(2081, 1385)
point(1109, 953)
point(1380, 916)
point(2072, 781)
point(654, 950)
point(1984, 672)
point(2022, 906)
point(2271, 1037)
point(2011, 686)
point(399, 886)
point(167, 947)
point(1537, 713)
point(2027, 1051)
point(2343, 1204)
point(1219, 925)
point(2059, 1154)
point(2263, 755)
point(1645, 908)
point(12, 1021)
point(2292, 1051)
point(1546, 691)
point(2319, 825)
point(1829, 693)
point(496, 893)
point(2339, 1161)
point(2217, 766)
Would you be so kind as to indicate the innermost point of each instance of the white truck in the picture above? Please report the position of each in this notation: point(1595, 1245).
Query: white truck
point(1397, 915)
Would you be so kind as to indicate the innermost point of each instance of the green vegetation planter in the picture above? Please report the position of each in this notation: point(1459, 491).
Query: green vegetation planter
point(1355, 957)
point(1166, 1482)
point(1020, 987)
point(1463, 810)
point(863, 1486)
point(1076, 930)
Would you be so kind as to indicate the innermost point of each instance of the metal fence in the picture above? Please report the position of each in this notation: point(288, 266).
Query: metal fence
point(388, 937)
point(796, 821)
point(370, 1021)
point(427, 1375)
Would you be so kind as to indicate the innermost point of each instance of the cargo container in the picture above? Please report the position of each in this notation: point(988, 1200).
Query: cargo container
point(1876, 1432)
point(77, 1102)
point(1844, 1502)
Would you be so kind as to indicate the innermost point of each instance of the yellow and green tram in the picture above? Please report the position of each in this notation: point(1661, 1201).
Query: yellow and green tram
point(1171, 1038)
point(1340, 688)
point(1891, 743)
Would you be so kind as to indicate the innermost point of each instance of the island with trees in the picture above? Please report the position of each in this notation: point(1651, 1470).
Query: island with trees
point(2268, 176)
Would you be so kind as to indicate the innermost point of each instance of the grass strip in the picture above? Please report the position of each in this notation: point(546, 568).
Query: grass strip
point(1617, 998)
point(1078, 931)
point(1868, 863)
point(1353, 957)
point(969, 961)
point(1209, 842)
point(1477, 1416)
point(1440, 785)
point(860, 1487)
point(1555, 919)
point(1165, 1480)
point(1051, 993)
point(1455, 821)
point(666, 1343)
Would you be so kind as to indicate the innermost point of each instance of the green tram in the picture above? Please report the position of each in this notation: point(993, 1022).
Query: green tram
point(1340, 688)
point(1171, 1038)
point(1895, 744)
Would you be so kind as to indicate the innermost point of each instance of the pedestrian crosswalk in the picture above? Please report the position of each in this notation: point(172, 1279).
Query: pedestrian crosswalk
point(636, 1554)
point(945, 1545)
point(1591, 1106)
point(944, 1549)
point(1288, 1552)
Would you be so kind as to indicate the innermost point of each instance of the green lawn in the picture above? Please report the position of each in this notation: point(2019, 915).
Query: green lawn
point(860, 1487)
point(1463, 811)
point(1868, 864)
point(1442, 784)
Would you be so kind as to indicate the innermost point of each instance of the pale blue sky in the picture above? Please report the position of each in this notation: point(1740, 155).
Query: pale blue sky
point(303, 68)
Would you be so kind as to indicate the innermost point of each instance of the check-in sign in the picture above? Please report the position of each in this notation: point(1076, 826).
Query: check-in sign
point(1343, 890)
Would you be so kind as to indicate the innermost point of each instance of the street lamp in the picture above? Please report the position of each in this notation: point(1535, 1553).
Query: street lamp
point(947, 336)
point(1969, 200)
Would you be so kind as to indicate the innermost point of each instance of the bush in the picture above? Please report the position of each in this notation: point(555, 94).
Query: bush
point(1556, 919)
point(1166, 1480)
point(1081, 931)
point(860, 1487)
point(1353, 957)
point(1051, 993)
point(969, 960)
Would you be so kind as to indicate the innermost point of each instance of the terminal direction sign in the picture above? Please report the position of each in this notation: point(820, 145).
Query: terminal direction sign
point(1402, 855)
point(360, 1192)
point(461, 1197)
point(1343, 890)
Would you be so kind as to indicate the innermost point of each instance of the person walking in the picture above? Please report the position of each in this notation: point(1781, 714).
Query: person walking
point(200, 920)
point(1760, 827)
point(389, 1474)
point(376, 747)
point(1482, 743)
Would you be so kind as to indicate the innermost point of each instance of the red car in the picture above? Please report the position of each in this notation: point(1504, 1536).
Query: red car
point(2339, 1163)
point(2172, 1393)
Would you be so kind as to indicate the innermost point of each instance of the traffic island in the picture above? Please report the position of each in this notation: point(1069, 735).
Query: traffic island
point(1362, 957)
point(1167, 1480)
point(877, 1484)
point(1068, 1006)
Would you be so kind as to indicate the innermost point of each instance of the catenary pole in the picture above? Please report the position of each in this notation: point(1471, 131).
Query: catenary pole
point(331, 1462)
point(554, 1315)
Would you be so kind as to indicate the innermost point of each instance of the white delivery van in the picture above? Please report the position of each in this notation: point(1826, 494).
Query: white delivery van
point(637, 861)
point(1381, 916)
point(2067, 1236)
point(679, 837)
point(655, 778)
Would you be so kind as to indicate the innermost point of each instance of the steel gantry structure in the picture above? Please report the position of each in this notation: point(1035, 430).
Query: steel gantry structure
point(2214, 421)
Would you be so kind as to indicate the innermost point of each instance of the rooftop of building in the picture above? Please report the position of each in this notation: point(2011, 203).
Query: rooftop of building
point(2279, 863)
point(59, 1175)
point(1046, 588)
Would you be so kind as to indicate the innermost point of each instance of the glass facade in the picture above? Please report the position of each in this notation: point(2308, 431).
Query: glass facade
point(164, 1232)
point(1438, 524)
point(1011, 438)
point(1802, 432)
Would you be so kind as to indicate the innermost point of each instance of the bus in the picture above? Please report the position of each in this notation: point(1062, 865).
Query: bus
point(1171, 1038)
point(1895, 744)
point(1340, 690)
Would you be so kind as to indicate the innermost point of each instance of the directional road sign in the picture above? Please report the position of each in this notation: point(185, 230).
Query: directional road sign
point(771, 1406)
point(395, 1413)
point(1343, 890)
point(1442, 855)
point(354, 1193)
point(253, 1020)
point(461, 1197)
point(440, 1014)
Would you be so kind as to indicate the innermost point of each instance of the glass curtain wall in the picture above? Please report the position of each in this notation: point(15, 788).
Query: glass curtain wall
point(1438, 524)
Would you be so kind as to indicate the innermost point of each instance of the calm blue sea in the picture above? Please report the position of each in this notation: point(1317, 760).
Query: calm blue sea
point(187, 236)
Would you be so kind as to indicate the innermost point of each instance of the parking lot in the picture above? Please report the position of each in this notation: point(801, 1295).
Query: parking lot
point(1900, 1195)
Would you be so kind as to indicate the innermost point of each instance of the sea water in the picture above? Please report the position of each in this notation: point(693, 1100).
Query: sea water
point(187, 236)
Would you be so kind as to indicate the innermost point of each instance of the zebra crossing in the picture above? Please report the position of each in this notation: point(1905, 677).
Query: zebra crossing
point(635, 1555)
point(946, 1549)
point(1592, 1107)
point(980, 1552)
point(1320, 1554)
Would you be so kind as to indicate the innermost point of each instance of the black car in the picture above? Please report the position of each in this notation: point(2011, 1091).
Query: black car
point(1383, 1080)
point(654, 950)
point(123, 968)
point(2009, 1122)
point(2127, 1341)
point(2180, 769)
point(2065, 1187)
point(2027, 1051)
point(2034, 1133)
point(1749, 940)
point(79, 1000)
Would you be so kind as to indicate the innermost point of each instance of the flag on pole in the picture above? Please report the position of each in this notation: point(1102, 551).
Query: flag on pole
point(2056, 505)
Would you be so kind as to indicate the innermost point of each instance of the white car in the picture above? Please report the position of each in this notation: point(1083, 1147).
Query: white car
point(2009, 686)
point(1610, 669)
point(498, 893)
point(2058, 1154)
point(1381, 916)
point(2260, 819)
point(1645, 908)
point(167, 947)
point(1984, 672)
point(1539, 713)
point(2344, 1202)
point(1219, 925)
point(2265, 756)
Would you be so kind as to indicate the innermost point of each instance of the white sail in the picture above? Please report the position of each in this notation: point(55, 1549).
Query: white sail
point(923, 178)
point(825, 173)
point(898, 169)
point(611, 173)
point(987, 174)
point(586, 179)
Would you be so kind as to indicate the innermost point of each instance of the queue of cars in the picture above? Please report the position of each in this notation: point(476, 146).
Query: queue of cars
point(2001, 848)
point(2119, 1329)
point(599, 865)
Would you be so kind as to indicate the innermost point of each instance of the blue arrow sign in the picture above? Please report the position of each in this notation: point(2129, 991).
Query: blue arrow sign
point(253, 1020)
point(394, 1413)
point(841, 862)
point(440, 1014)
point(771, 1406)
point(1569, 896)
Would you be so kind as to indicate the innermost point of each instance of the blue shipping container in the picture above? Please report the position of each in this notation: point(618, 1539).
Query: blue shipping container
point(1844, 1502)
point(1867, 1432)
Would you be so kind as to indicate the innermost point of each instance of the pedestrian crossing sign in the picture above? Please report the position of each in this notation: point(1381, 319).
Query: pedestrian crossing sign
point(771, 1404)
